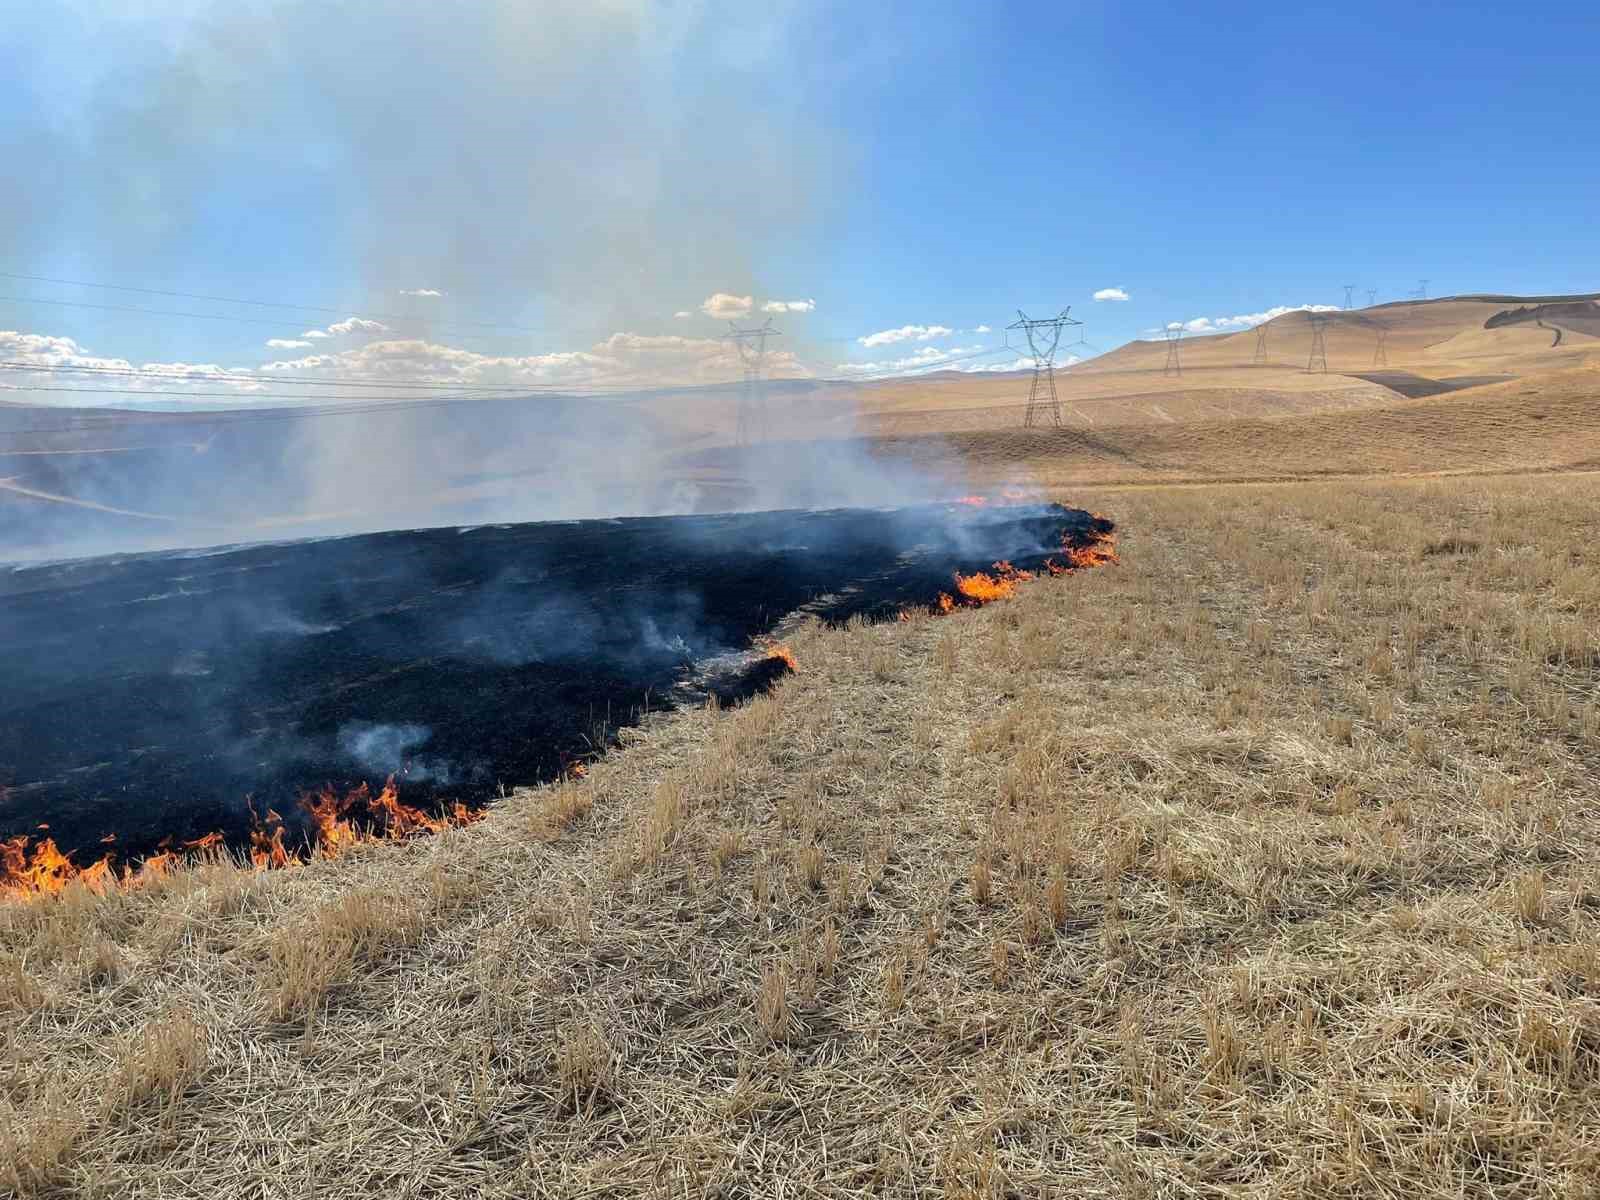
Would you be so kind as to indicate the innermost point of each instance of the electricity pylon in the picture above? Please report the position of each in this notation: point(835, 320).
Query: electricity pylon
point(1174, 360)
point(1319, 343)
point(1349, 295)
point(1422, 289)
point(1261, 344)
point(751, 424)
point(1372, 297)
point(1044, 335)
point(1380, 355)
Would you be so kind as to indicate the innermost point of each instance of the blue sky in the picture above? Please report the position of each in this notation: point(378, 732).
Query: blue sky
point(572, 180)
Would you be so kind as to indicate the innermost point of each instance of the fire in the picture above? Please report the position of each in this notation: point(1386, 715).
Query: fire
point(266, 842)
point(1002, 582)
point(1101, 550)
point(981, 587)
point(333, 824)
point(41, 868)
point(971, 501)
point(783, 654)
point(339, 822)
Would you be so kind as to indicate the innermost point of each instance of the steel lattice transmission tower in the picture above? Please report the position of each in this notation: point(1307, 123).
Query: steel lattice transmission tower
point(1422, 289)
point(1319, 343)
point(1174, 360)
point(1349, 295)
point(1380, 354)
point(1261, 344)
point(751, 424)
point(1044, 335)
point(1372, 297)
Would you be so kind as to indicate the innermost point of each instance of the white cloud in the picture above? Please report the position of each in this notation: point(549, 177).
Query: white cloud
point(1112, 293)
point(1021, 363)
point(1202, 325)
point(683, 314)
point(981, 329)
point(623, 359)
point(420, 292)
point(789, 306)
point(348, 325)
point(906, 333)
point(724, 307)
point(46, 351)
point(926, 357)
point(358, 325)
point(286, 344)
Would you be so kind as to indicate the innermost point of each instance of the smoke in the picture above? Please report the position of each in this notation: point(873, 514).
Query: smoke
point(382, 750)
point(578, 173)
point(594, 166)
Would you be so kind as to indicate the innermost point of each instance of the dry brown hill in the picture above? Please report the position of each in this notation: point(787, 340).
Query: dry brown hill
point(1546, 422)
point(1429, 347)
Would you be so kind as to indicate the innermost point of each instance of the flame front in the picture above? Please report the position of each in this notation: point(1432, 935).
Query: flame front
point(333, 824)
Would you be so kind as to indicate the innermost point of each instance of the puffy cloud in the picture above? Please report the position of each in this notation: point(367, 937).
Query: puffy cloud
point(358, 325)
point(683, 314)
point(1021, 363)
point(348, 325)
point(981, 329)
point(622, 360)
point(1245, 320)
point(724, 307)
point(926, 357)
point(1112, 293)
point(420, 292)
point(789, 306)
point(906, 333)
point(52, 354)
point(287, 343)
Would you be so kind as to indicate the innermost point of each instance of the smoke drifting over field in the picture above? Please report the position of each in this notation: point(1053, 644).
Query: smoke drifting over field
point(581, 172)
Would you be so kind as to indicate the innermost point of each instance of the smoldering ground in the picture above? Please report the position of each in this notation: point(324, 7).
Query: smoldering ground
point(149, 695)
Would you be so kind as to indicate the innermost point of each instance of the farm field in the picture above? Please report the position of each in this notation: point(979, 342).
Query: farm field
point(1260, 863)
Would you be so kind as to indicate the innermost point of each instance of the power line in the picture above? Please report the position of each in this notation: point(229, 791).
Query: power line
point(1174, 360)
point(1044, 335)
point(1319, 343)
point(117, 287)
point(197, 316)
point(918, 371)
point(23, 367)
point(751, 423)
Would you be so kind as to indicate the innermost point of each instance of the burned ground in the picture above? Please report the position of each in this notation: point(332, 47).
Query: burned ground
point(150, 695)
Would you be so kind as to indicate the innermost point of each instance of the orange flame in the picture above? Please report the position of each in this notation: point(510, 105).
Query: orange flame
point(783, 654)
point(335, 823)
point(982, 587)
point(971, 501)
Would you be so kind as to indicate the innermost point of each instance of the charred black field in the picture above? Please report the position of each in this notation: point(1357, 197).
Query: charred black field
point(164, 694)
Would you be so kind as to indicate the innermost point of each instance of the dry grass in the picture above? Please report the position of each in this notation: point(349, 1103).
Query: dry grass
point(1262, 864)
point(1543, 422)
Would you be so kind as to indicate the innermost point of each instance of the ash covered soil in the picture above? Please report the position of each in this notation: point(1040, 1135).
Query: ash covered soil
point(152, 695)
